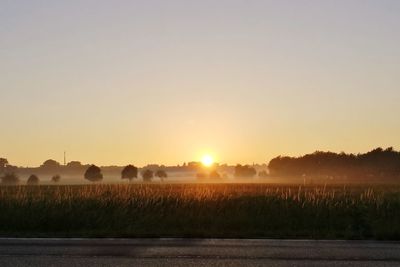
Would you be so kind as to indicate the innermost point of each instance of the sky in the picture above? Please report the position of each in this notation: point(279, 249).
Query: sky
point(118, 82)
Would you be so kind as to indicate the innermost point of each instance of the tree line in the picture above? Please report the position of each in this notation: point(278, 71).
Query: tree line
point(93, 173)
point(377, 164)
point(240, 171)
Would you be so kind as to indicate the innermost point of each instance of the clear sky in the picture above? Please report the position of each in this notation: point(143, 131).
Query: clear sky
point(117, 82)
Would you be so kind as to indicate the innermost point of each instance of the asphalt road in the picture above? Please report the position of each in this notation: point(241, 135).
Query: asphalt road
point(196, 252)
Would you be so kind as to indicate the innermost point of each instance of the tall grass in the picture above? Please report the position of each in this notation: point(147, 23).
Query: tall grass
point(201, 210)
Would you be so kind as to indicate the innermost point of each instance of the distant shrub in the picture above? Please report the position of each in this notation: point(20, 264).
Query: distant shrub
point(10, 179)
point(50, 165)
point(93, 174)
point(129, 172)
point(3, 164)
point(56, 178)
point(161, 174)
point(244, 171)
point(147, 175)
point(33, 180)
point(263, 174)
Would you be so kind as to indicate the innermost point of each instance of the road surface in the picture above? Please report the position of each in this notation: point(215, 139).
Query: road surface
point(196, 252)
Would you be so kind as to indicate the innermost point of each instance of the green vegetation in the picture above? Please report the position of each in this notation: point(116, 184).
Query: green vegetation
point(161, 174)
point(129, 172)
point(33, 180)
point(377, 165)
point(56, 178)
point(93, 174)
point(201, 210)
point(147, 175)
point(9, 179)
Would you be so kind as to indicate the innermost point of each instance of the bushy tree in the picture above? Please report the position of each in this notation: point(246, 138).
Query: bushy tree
point(3, 163)
point(147, 175)
point(56, 178)
point(50, 164)
point(32, 180)
point(93, 174)
point(161, 174)
point(129, 172)
point(74, 165)
point(244, 171)
point(10, 179)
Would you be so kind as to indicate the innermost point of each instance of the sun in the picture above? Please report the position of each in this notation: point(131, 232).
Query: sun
point(207, 160)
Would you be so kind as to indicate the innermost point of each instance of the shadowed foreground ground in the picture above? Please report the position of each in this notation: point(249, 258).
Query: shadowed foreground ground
point(196, 252)
point(201, 211)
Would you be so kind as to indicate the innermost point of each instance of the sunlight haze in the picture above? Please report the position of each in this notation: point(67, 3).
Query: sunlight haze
point(118, 82)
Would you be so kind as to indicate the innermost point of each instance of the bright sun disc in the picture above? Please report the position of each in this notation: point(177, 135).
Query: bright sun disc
point(207, 160)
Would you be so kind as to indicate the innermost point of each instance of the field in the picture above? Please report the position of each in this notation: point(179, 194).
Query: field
point(201, 210)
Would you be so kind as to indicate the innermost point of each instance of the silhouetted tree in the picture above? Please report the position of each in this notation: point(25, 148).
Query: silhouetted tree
point(93, 174)
point(3, 164)
point(4, 167)
point(263, 174)
point(56, 178)
point(244, 171)
point(129, 172)
point(161, 174)
point(376, 164)
point(9, 179)
point(74, 165)
point(50, 164)
point(147, 175)
point(194, 166)
point(32, 180)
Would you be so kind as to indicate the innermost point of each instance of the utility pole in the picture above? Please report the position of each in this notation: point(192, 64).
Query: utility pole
point(65, 160)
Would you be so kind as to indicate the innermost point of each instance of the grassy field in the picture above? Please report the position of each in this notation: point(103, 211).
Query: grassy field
point(201, 210)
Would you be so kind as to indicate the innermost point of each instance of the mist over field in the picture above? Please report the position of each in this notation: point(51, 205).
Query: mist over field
point(378, 166)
